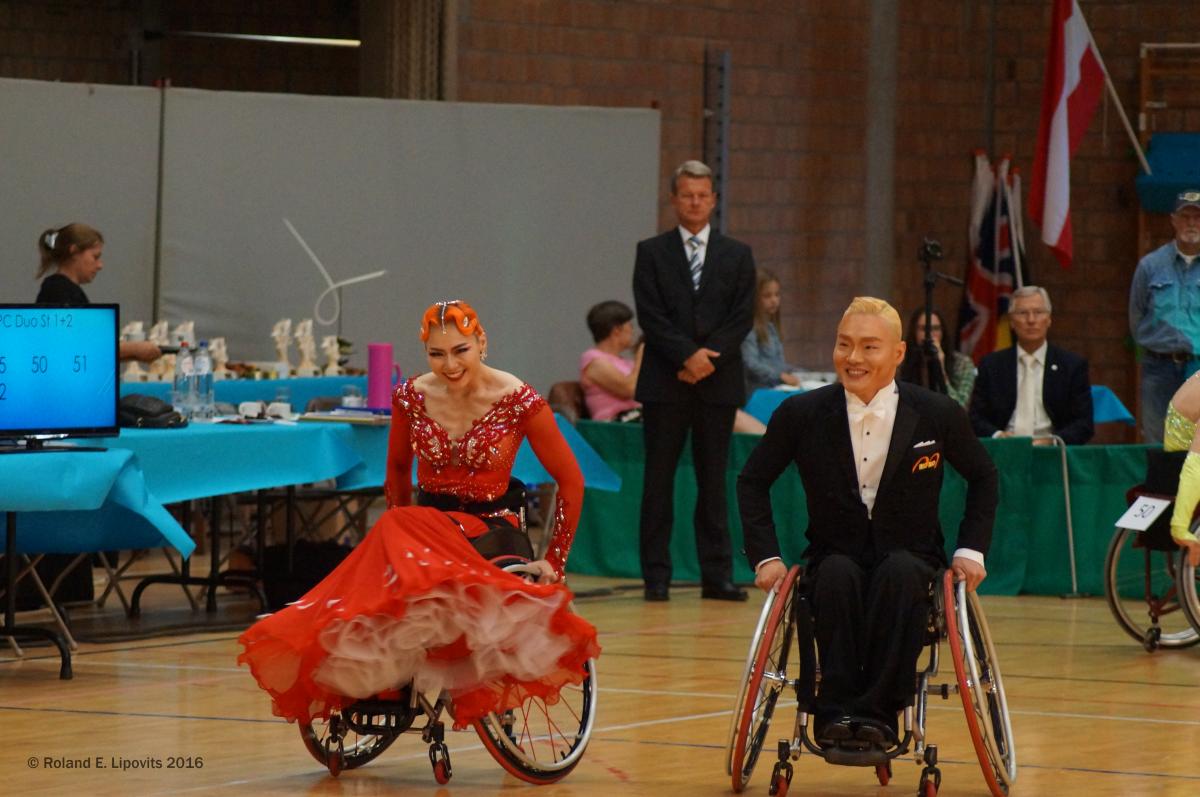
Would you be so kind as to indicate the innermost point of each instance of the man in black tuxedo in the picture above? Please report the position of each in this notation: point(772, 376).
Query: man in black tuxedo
point(1032, 389)
point(871, 454)
point(694, 290)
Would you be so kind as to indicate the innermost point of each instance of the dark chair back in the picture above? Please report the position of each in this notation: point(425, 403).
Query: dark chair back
point(566, 398)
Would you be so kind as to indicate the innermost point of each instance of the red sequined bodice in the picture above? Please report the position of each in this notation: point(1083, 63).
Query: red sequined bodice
point(476, 466)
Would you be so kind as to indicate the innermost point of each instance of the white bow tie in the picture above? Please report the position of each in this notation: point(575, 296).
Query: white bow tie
point(861, 412)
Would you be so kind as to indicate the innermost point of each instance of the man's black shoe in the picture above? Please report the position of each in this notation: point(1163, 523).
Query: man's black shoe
point(657, 593)
point(834, 733)
point(725, 591)
point(871, 732)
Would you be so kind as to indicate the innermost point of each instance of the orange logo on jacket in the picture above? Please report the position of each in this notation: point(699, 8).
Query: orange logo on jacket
point(925, 463)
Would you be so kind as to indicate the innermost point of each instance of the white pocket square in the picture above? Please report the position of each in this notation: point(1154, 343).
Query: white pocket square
point(925, 443)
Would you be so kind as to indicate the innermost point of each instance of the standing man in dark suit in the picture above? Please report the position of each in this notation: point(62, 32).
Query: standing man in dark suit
point(871, 454)
point(1033, 389)
point(694, 290)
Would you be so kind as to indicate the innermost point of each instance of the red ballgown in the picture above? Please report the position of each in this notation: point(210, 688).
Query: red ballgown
point(415, 603)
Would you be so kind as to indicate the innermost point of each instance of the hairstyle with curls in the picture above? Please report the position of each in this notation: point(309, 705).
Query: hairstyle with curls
point(55, 244)
point(457, 313)
point(869, 305)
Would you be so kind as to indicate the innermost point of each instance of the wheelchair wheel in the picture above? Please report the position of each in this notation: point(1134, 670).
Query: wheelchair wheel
point(540, 742)
point(1189, 592)
point(335, 746)
point(766, 677)
point(1140, 586)
point(980, 686)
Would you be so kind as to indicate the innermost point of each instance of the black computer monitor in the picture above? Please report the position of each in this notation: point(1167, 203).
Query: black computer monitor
point(59, 372)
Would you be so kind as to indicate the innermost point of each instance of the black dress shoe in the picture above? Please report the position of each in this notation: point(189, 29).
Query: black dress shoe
point(725, 591)
point(657, 593)
point(834, 733)
point(871, 732)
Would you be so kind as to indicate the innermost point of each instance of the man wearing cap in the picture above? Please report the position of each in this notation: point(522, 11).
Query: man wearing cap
point(1164, 314)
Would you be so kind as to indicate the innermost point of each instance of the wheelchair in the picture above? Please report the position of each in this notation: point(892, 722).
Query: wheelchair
point(1144, 578)
point(537, 742)
point(785, 627)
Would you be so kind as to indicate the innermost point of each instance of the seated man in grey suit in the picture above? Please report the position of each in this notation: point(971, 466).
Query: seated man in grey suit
point(871, 453)
point(1033, 388)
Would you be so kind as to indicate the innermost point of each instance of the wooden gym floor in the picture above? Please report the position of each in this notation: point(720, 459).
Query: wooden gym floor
point(1092, 713)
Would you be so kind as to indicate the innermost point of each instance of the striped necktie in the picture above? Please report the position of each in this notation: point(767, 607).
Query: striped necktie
point(695, 264)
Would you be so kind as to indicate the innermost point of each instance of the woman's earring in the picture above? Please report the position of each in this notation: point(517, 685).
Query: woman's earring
point(483, 355)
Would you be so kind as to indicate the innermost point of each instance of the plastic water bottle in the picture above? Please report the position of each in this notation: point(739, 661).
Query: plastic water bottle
point(202, 369)
point(183, 393)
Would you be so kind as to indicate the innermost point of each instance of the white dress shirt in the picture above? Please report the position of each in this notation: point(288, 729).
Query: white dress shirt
point(1042, 425)
point(702, 249)
point(870, 438)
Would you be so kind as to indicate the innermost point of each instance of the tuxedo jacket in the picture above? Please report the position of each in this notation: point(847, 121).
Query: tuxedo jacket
point(812, 430)
point(677, 320)
point(1066, 394)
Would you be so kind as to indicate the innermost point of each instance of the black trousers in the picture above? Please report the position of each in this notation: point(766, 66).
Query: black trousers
point(870, 619)
point(665, 428)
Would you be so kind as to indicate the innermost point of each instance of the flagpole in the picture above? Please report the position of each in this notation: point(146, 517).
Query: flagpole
point(1112, 91)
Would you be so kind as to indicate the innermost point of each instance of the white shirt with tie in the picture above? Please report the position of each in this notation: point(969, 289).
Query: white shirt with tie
point(702, 249)
point(1029, 418)
point(871, 427)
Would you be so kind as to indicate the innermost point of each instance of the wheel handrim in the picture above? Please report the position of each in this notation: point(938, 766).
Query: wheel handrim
point(759, 698)
point(540, 742)
point(980, 686)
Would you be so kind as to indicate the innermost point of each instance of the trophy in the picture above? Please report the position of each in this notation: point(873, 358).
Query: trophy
point(332, 352)
point(308, 349)
point(162, 369)
point(216, 350)
point(281, 333)
point(133, 331)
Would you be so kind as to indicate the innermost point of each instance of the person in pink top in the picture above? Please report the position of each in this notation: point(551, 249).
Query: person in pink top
point(607, 377)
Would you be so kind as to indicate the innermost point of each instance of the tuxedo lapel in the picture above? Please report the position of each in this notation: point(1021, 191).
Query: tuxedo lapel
point(902, 433)
point(838, 450)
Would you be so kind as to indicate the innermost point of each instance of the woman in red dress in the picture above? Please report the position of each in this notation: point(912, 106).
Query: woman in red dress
point(415, 602)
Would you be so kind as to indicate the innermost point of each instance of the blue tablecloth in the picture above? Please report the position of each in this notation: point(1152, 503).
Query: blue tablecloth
point(1106, 407)
point(299, 391)
point(78, 501)
point(207, 459)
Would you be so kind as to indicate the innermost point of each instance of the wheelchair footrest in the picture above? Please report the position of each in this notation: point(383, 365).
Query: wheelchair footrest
point(379, 716)
point(855, 756)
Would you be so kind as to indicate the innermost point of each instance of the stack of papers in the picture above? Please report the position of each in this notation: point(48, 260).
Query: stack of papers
point(344, 415)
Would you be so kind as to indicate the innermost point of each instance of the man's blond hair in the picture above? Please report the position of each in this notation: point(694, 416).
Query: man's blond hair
point(869, 305)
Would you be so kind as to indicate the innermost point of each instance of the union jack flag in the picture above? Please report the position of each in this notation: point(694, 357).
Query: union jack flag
point(997, 258)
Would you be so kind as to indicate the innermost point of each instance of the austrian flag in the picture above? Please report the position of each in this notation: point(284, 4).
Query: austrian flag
point(1074, 82)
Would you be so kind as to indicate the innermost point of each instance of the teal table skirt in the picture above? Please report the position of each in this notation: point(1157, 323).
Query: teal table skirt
point(1029, 552)
point(79, 501)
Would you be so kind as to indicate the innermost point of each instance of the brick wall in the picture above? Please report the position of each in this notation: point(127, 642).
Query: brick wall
point(92, 42)
point(68, 40)
point(798, 116)
point(799, 107)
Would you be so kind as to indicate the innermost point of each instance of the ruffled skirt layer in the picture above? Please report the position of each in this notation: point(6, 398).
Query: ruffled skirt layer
point(415, 604)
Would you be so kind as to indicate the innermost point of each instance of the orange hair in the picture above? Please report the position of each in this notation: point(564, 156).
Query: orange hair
point(459, 313)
